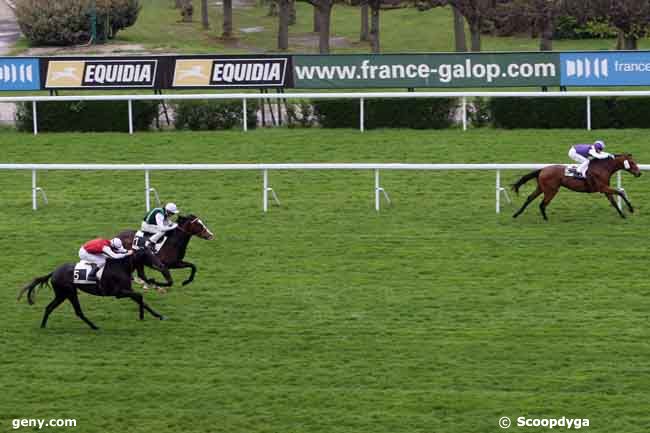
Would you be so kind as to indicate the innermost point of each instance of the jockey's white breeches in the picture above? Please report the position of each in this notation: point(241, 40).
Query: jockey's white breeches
point(584, 162)
point(98, 259)
point(153, 229)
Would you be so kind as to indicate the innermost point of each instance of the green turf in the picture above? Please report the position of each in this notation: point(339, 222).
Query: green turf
point(435, 315)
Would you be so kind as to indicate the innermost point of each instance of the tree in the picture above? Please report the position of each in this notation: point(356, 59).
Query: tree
point(283, 24)
point(363, 34)
point(475, 13)
point(204, 14)
point(375, 7)
point(227, 19)
point(631, 18)
point(323, 9)
point(459, 31)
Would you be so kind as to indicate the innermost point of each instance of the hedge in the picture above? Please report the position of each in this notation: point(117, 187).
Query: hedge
point(623, 112)
point(86, 116)
point(213, 114)
point(416, 113)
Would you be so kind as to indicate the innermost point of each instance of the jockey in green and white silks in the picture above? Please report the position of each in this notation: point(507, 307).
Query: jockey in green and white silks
point(157, 222)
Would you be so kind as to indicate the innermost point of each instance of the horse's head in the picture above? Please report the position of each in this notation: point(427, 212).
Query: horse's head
point(146, 256)
point(628, 164)
point(194, 226)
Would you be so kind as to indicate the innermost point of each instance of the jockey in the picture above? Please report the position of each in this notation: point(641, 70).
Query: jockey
point(157, 222)
point(97, 250)
point(584, 153)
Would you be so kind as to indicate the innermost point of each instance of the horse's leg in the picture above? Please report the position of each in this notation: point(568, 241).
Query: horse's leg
point(136, 297)
point(51, 307)
point(74, 300)
point(548, 196)
point(611, 199)
point(606, 189)
point(530, 198)
point(181, 265)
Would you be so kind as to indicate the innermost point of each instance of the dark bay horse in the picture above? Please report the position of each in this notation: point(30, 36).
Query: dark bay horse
point(551, 178)
point(116, 282)
point(173, 251)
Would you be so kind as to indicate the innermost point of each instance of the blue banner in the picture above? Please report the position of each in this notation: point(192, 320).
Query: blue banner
point(605, 69)
point(17, 73)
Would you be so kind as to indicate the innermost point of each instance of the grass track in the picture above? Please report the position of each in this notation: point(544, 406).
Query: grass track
point(434, 316)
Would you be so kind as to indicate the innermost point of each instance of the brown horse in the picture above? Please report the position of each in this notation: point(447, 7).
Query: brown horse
point(551, 178)
point(173, 251)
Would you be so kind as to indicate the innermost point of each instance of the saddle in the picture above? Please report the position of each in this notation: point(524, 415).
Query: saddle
point(84, 273)
point(141, 238)
point(571, 170)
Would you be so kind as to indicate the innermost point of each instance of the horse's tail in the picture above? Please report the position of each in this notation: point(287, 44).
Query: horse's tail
point(524, 179)
point(29, 288)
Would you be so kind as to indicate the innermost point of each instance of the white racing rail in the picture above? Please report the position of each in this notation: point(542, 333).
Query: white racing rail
point(265, 168)
point(361, 96)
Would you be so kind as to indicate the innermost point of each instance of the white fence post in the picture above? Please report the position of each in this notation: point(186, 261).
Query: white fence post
point(147, 188)
point(377, 197)
point(361, 114)
point(35, 118)
point(130, 117)
point(464, 113)
point(588, 113)
point(245, 115)
point(34, 200)
point(498, 188)
point(265, 195)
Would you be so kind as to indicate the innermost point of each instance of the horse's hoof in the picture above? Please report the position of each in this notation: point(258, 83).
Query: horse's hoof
point(163, 317)
point(186, 282)
point(161, 290)
point(145, 288)
point(139, 280)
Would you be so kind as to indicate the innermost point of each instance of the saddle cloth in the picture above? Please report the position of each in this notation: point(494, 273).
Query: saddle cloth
point(82, 271)
point(571, 170)
point(140, 239)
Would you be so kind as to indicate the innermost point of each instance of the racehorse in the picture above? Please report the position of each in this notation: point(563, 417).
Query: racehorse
point(116, 282)
point(551, 178)
point(173, 250)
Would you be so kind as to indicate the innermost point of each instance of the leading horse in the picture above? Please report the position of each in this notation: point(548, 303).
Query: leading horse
point(173, 250)
point(116, 282)
point(551, 178)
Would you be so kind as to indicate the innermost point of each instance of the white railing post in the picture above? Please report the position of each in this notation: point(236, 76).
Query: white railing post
point(361, 114)
point(34, 200)
point(588, 113)
point(35, 117)
point(245, 115)
point(130, 117)
point(464, 113)
point(147, 188)
point(265, 195)
point(377, 197)
point(498, 189)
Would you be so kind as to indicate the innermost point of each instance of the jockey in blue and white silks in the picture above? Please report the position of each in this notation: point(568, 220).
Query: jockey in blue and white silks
point(583, 153)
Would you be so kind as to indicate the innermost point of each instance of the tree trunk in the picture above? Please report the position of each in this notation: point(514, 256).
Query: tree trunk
point(178, 4)
point(316, 20)
point(459, 31)
point(363, 35)
point(475, 30)
point(374, 26)
point(227, 19)
point(324, 24)
point(546, 40)
point(620, 40)
point(204, 14)
point(187, 11)
point(292, 12)
point(630, 43)
point(283, 24)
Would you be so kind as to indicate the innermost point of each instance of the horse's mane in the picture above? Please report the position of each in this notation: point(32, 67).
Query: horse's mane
point(182, 219)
